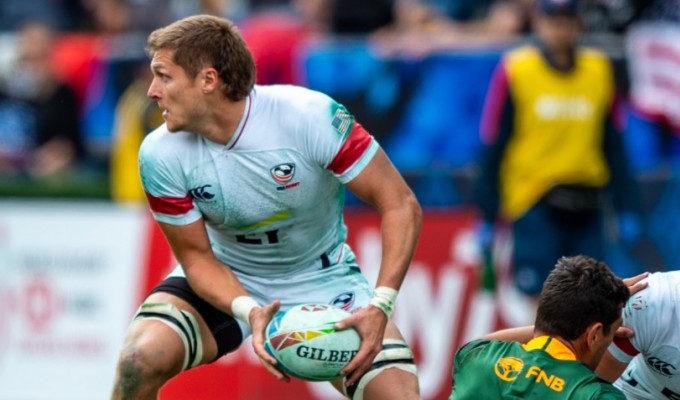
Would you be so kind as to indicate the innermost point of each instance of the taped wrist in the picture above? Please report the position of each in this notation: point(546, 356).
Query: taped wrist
point(241, 307)
point(384, 298)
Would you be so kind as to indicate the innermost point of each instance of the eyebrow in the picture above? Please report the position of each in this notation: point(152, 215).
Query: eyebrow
point(158, 66)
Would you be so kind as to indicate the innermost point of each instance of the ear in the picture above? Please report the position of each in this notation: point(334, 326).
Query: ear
point(595, 334)
point(210, 80)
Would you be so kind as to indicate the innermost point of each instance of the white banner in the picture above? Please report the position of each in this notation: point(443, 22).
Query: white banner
point(69, 276)
point(654, 60)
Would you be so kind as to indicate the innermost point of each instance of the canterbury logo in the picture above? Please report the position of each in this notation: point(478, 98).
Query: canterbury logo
point(661, 366)
point(201, 193)
point(670, 394)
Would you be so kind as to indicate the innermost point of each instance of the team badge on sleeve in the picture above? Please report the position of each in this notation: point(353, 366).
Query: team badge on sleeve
point(342, 120)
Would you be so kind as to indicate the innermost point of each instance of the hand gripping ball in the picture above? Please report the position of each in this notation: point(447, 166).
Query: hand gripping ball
point(305, 344)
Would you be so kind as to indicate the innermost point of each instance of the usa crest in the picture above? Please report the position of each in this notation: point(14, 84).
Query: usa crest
point(283, 175)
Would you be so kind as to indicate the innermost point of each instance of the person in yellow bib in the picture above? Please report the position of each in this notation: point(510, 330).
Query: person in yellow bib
point(552, 149)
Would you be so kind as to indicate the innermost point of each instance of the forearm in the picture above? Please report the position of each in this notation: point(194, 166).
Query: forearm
point(212, 280)
point(400, 228)
point(215, 283)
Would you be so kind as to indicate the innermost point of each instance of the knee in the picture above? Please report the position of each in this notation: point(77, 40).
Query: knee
point(144, 365)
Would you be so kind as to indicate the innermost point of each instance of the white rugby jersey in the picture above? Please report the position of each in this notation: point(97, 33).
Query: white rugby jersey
point(654, 351)
point(272, 198)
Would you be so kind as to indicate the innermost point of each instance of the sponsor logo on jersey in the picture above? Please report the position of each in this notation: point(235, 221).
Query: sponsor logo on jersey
point(551, 107)
point(283, 175)
point(508, 368)
point(344, 301)
point(554, 382)
point(661, 366)
point(201, 193)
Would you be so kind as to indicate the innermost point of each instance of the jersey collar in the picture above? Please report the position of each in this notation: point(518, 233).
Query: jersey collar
point(242, 123)
point(552, 346)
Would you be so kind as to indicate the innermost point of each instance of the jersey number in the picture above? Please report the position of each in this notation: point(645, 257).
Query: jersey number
point(269, 237)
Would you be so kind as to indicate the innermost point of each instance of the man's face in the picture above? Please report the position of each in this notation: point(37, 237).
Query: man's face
point(176, 94)
point(559, 32)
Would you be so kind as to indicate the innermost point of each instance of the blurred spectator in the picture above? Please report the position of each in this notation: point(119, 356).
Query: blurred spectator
point(235, 10)
point(136, 116)
point(60, 14)
point(360, 17)
point(116, 16)
point(275, 36)
point(551, 149)
point(610, 16)
point(421, 29)
point(461, 10)
point(39, 134)
point(653, 56)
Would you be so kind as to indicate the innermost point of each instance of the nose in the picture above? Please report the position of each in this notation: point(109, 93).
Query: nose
point(153, 92)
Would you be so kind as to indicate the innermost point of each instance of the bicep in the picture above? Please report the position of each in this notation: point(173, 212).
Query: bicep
point(190, 243)
point(380, 184)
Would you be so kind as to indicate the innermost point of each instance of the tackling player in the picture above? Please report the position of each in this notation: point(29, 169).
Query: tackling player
point(579, 311)
point(647, 365)
point(247, 184)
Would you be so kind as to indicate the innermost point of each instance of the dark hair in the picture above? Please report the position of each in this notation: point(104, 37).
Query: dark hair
point(205, 40)
point(578, 292)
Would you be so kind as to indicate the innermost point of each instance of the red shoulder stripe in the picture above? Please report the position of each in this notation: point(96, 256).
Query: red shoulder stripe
point(170, 205)
point(354, 147)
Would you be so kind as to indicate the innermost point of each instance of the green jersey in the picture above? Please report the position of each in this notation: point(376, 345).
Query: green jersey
point(542, 369)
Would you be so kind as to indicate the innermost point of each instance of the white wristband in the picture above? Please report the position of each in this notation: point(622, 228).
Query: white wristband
point(384, 298)
point(241, 307)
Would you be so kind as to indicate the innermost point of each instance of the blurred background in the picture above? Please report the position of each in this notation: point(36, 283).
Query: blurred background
point(78, 249)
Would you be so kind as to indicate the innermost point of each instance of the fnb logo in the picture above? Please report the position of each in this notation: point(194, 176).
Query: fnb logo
point(661, 366)
point(201, 193)
point(552, 381)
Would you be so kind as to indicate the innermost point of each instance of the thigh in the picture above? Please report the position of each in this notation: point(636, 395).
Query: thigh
point(220, 332)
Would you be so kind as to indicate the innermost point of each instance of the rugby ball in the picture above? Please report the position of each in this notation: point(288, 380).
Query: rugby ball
point(305, 344)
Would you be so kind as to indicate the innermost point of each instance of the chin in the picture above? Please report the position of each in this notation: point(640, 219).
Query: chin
point(172, 127)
